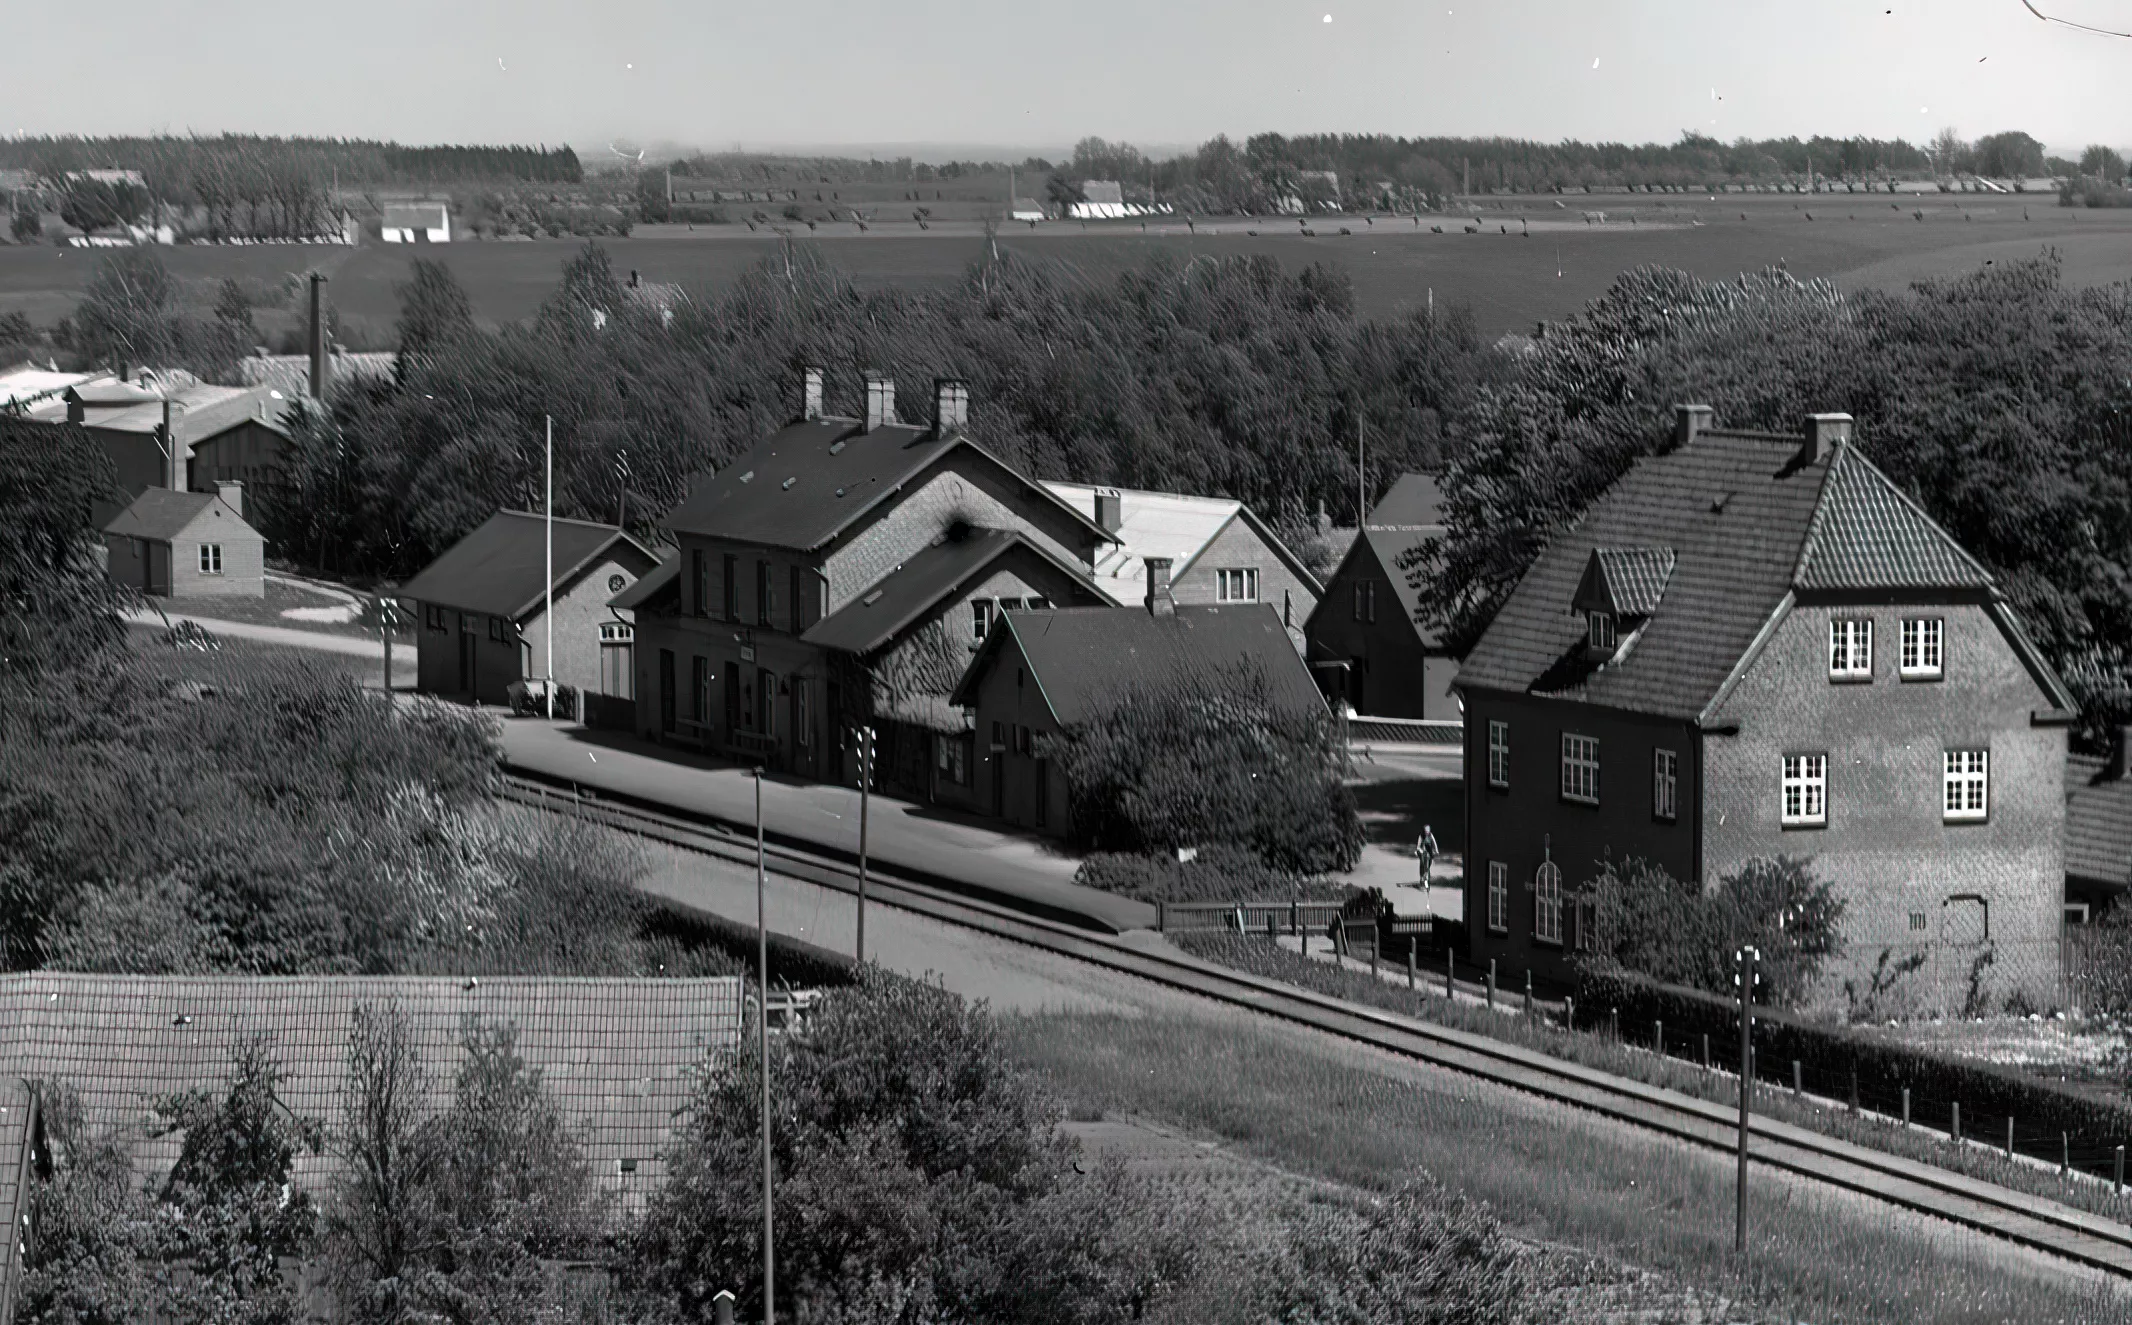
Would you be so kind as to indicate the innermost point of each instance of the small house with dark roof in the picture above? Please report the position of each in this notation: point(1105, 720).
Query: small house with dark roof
point(2098, 830)
point(841, 574)
point(1755, 645)
point(1366, 640)
point(187, 545)
point(1040, 673)
point(480, 607)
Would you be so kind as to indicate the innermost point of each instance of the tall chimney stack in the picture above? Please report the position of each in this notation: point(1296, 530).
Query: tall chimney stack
point(1823, 431)
point(174, 475)
point(320, 364)
point(1159, 602)
point(1110, 510)
point(1688, 422)
point(951, 405)
point(810, 392)
point(880, 400)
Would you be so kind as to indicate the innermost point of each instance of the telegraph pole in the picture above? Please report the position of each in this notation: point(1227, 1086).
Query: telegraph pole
point(549, 614)
point(1747, 979)
point(762, 939)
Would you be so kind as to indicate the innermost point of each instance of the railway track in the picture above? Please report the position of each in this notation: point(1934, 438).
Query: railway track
point(2032, 1222)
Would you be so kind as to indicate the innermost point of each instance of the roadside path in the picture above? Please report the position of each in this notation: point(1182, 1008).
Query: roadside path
point(288, 637)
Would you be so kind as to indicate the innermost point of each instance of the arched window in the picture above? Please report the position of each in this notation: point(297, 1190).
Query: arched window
point(1547, 903)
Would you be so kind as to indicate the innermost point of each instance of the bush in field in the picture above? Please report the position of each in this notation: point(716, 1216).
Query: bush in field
point(1219, 873)
point(1650, 922)
point(1422, 1255)
point(919, 1177)
point(1208, 758)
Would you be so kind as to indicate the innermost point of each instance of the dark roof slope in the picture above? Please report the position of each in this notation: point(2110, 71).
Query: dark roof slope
point(617, 1054)
point(2098, 822)
point(807, 482)
point(161, 514)
point(1626, 581)
point(498, 568)
point(1748, 523)
point(1083, 659)
point(665, 580)
point(913, 589)
point(1414, 499)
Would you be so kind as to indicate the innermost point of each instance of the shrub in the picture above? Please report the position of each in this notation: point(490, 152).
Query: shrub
point(529, 701)
point(1208, 758)
point(93, 1257)
point(1648, 921)
point(1219, 873)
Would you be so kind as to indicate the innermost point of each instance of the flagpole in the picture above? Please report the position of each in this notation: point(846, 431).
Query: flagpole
point(549, 614)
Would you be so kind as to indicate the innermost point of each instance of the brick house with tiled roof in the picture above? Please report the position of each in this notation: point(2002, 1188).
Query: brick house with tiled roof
point(2098, 830)
point(1367, 642)
point(831, 576)
point(1756, 644)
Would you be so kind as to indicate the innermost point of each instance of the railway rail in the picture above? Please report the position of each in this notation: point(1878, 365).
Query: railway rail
point(2032, 1222)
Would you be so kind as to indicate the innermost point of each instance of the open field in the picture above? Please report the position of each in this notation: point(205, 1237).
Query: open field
point(1860, 240)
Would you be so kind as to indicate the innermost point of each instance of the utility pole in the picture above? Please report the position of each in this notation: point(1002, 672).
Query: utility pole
point(762, 940)
point(1747, 979)
point(866, 778)
point(1361, 475)
point(548, 615)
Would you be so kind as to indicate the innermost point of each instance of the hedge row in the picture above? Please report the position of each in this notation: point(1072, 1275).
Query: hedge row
point(2049, 1118)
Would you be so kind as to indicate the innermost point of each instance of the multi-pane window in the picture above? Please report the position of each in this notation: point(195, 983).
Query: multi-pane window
point(1580, 768)
point(499, 630)
point(1498, 896)
point(433, 616)
point(1665, 784)
point(1547, 903)
point(1599, 631)
point(1966, 783)
point(1850, 649)
point(980, 617)
point(1921, 658)
point(1237, 586)
point(730, 585)
point(1806, 789)
point(210, 558)
point(1366, 600)
point(952, 759)
point(1498, 754)
point(700, 578)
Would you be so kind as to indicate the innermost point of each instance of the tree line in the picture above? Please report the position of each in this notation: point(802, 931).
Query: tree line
point(172, 164)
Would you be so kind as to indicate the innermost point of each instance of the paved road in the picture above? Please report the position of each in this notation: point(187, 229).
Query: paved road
point(923, 838)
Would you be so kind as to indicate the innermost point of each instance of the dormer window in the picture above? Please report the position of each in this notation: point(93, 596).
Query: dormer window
point(1619, 592)
point(1599, 634)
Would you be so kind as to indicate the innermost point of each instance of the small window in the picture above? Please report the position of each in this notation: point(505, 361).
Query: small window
point(1922, 649)
point(700, 570)
point(1498, 896)
point(1850, 650)
point(1805, 790)
point(500, 630)
point(1665, 785)
point(999, 736)
point(730, 586)
point(1498, 754)
point(1917, 922)
point(1580, 768)
point(1966, 784)
point(1022, 740)
point(1038, 604)
point(952, 759)
point(1010, 604)
point(617, 583)
point(1236, 586)
point(1366, 600)
point(765, 594)
point(433, 615)
point(1547, 903)
point(210, 558)
point(980, 617)
point(1599, 631)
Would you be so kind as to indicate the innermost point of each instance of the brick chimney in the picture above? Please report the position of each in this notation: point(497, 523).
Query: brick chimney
point(951, 405)
point(810, 392)
point(174, 474)
point(1823, 431)
point(1110, 510)
point(321, 365)
point(880, 400)
point(232, 493)
point(1688, 422)
point(1159, 602)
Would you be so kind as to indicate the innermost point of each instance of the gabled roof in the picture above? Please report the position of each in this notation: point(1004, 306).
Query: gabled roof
point(1390, 548)
point(617, 1054)
point(161, 514)
point(1084, 659)
point(1624, 581)
point(912, 590)
point(809, 481)
point(415, 216)
point(1750, 526)
point(208, 410)
point(1413, 499)
point(2098, 821)
point(1165, 524)
point(27, 385)
point(498, 569)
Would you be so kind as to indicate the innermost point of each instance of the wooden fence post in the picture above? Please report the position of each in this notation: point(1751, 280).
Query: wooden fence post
point(1957, 1122)
point(1706, 1051)
point(1797, 1088)
point(1569, 1014)
point(1412, 944)
point(1162, 916)
point(1528, 991)
point(1854, 1088)
point(1450, 974)
point(2009, 1136)
point(1491, 982)
point(1906, 1106)
point(1658, 1038)
point(2119, 1167)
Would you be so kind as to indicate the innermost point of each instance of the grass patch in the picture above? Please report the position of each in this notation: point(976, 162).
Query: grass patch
point(1308, 1106)
point(1602, 1051)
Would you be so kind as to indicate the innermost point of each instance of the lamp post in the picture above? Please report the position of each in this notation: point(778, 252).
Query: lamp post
point(1746, 979)
point(762, 939)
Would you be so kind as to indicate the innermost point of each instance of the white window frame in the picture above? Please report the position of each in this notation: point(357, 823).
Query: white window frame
point(1600, 634)
point(1665, 785)
point(1498, 897)
point(1804, 802)
point(210, 558)
point(1965, 786)
point(1924, 648)
point(980, 619)
point(1366, 601)
point(1850, 649)
point(1236, 585)
point(1580, 768)
point(1547, 903)
point(1498, 753)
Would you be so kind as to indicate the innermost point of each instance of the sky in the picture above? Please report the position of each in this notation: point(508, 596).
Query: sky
point(864, 73)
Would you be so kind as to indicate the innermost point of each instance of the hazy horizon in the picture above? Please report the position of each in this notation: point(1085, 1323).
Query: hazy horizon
point(945, 73)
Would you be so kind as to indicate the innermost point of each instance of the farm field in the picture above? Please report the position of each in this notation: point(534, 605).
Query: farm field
point(1512, 281)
